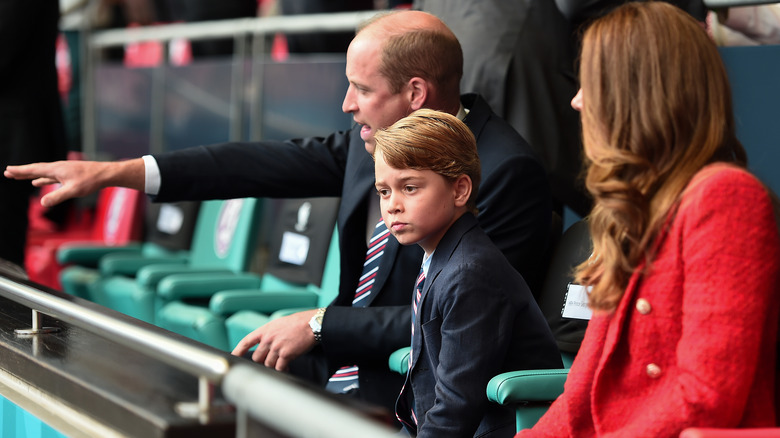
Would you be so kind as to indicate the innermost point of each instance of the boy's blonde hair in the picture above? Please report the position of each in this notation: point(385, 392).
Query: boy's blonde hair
point(432, 140)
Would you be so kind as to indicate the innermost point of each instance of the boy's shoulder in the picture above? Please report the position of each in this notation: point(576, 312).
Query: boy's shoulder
point(466, 247)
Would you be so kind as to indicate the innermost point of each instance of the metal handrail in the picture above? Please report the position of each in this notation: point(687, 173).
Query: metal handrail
point(331, 22)
point(209, 367)
point(262, 394)
point(241, 29)
point(277, 403)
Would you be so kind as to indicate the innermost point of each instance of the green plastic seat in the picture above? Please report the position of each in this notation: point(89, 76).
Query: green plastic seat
point(297, 270)
point(245, 311)
point(167, 236)
point(532, 391)
point(223, 244)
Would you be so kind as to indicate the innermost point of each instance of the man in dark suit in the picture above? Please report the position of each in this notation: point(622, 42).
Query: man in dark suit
point(31, 126)
point(396, 64)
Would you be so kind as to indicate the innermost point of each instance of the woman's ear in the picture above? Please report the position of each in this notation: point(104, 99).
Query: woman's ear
point(462, 190)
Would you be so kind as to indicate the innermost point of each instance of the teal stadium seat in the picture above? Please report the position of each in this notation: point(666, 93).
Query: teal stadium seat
point(223, 244)
point(532, 391)
point(167, 236)
point(302, 270)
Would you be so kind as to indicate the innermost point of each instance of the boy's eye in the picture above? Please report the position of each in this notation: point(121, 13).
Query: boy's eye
point(382, 192)
point(410, 189)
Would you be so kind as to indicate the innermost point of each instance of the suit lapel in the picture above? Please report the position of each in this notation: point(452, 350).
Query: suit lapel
point(358, 179)
point(447, 246)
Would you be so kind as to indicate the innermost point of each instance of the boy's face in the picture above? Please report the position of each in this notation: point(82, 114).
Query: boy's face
point(419, 206)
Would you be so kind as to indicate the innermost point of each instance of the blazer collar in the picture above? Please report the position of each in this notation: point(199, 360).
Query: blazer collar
point(446, 247)
point(479, 112)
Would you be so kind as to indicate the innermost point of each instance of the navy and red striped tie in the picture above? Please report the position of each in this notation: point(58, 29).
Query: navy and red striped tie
point(346, 378)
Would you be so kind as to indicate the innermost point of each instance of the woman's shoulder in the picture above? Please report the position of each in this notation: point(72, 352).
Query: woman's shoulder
point(724, 181)
point(724, 193)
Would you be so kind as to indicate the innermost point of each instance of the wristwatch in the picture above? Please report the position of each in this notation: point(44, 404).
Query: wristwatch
point(316, 324)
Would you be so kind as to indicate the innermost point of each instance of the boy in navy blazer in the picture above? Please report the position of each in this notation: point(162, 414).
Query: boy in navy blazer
point(473, 315)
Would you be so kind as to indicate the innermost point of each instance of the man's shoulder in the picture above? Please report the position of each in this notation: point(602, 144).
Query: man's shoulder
point(493, 134)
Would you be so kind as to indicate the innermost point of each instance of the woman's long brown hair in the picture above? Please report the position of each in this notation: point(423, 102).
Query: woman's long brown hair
point(656, 109)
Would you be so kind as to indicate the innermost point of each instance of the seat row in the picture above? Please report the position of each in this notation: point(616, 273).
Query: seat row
point(247, 259)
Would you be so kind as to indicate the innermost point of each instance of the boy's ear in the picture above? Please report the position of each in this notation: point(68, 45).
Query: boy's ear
point(418, 93)
point(462, 187)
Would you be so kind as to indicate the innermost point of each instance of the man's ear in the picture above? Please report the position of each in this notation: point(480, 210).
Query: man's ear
point(418, 93)
point(462, 188)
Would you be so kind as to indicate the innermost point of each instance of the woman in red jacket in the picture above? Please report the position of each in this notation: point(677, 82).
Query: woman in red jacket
point(686, 257)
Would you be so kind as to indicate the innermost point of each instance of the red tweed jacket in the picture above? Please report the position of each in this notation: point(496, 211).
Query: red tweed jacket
point(692, 342)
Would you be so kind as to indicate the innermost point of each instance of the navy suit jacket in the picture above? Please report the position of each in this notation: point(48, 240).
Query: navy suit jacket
point(513, 200)
point(476, 318)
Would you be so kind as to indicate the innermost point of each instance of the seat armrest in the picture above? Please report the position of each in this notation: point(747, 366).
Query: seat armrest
point(527, 385)
point(203, 285)
point(399, 360)
point(287, 312)
point(226, 302)
point(149, 276)
point(129, 265)
point(89, 255)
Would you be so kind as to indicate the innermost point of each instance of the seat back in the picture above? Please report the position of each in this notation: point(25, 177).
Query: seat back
point(118, 221)
point(331, 276)
point(532, 391)
point(118, 216)
point(226, 233)
point(573, 248)
point(290, 294)
point(171, 225)
point(300, 240)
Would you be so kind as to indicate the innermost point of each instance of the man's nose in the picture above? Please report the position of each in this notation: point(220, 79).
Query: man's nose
point(348, 105)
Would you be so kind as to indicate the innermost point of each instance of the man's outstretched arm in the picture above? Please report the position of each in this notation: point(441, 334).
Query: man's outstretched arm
point(80, 178)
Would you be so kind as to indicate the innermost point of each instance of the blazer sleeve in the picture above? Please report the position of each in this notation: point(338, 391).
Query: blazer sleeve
point(365, 335)
point(281, 169)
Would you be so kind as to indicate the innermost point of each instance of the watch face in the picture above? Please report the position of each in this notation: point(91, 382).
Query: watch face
point(315, 324)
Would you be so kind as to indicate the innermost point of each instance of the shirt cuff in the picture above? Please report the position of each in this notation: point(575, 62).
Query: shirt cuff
point(152, 175)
